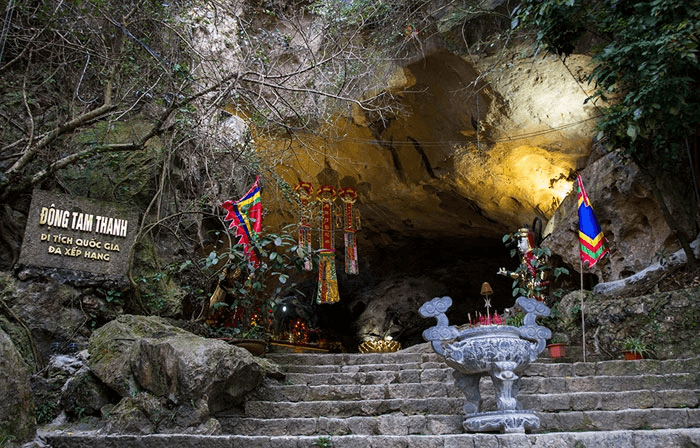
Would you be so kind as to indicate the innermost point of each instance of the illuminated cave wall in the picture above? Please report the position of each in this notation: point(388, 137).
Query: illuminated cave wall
point(464, 156)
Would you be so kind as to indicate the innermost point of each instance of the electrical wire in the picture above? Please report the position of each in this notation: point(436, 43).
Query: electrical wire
point(438, 143)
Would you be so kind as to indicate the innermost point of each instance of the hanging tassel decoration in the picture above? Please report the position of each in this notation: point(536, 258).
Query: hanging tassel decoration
point(305, 191)
point(349, 197)
point(327, 277)
point(338, 218)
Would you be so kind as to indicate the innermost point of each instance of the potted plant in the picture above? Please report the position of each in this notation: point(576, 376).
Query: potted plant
point(255, 340)
point(245, 299)
point(635, 348)
point(557, 346)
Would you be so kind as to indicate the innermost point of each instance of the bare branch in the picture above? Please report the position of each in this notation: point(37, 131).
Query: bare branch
point(53, 135)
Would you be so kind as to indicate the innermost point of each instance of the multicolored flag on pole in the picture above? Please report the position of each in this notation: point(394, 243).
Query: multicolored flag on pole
point(246, 216)
point(594, 246)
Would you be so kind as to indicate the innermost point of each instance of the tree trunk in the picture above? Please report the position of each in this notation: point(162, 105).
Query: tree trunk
point(671, 220)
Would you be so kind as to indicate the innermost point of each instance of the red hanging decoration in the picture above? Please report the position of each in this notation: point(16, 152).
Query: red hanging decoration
point(305, 191)
point(327, 278)
point(349, 196)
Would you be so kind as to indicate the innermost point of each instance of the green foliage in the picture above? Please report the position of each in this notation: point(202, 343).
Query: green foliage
point(257, 290)
point(516, 320)
point(554, 321)
point(158, 290)
point(113, 296)
point(6, 439)
point(529, 285)
point(323, 442)
point(46, 411)
point(255, 332)
point(559, 339)
point(647, 68)
point(575, 313)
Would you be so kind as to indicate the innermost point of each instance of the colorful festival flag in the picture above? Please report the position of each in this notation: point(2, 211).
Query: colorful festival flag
point(594, 246)
point(246, 215)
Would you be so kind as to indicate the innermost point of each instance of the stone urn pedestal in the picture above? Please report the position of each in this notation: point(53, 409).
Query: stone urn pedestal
point(500, 351)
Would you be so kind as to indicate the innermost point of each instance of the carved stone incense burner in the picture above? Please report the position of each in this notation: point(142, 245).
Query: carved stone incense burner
point(501, 351)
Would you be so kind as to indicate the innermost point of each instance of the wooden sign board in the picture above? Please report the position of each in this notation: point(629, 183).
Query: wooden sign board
point(81, 234)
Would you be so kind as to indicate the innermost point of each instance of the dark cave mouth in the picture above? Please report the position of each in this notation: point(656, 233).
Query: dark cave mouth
point(394, 281)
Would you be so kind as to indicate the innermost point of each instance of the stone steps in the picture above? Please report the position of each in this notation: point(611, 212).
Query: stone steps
point(409, 400)
point(433, 424)
point(403, 394)
point(353, 363)
point(557, 384)
point(579, 401)
point(667, 438)
point(353, 408)
point(310, 390)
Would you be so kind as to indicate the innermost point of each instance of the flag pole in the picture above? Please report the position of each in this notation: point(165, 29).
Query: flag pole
point(592, 242)
point(583, 320)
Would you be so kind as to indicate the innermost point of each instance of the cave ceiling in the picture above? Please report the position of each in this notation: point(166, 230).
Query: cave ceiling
point(467, 152)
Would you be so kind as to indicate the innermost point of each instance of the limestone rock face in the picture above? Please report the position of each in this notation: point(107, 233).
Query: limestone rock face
point(16, 404)
point(667, 321)
point(53, 305)
point(42, 305)
point(628, 214)
point(66, 388)
point(136, 353)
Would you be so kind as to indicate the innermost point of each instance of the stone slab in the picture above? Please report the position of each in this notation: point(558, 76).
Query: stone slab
point(667, 438)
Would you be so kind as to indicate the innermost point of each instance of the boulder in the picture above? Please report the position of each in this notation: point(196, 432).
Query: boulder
point(145, 413)
point(135, 415)
point(83, 394)
point(17, 418)
point(133, 354)
point(390, 309)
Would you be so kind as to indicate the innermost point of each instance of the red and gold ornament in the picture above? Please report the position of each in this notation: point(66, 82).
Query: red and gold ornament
point(305, 192)
point(349, 197)
point(327, 277)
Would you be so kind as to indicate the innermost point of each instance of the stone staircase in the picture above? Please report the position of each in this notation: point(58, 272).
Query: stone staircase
point(408, 399)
